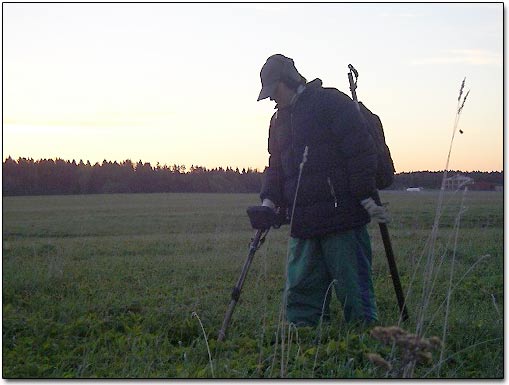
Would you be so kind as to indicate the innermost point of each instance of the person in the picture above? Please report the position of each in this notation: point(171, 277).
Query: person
point(331, 192)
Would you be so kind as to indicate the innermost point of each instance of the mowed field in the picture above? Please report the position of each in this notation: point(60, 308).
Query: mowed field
point(106, 286)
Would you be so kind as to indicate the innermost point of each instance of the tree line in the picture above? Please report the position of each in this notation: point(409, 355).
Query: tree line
point(49, 177)
point(26, 176)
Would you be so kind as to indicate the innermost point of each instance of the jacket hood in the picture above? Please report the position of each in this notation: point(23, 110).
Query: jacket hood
point(314, 83)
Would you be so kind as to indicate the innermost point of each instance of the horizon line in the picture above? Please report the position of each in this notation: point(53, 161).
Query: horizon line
point(204, 167)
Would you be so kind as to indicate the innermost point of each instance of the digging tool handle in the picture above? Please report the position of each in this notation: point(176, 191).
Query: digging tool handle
point(238, 287)
point(384, 231)
point(353, 86)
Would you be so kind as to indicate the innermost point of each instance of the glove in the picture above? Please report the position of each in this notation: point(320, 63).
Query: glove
point(268, 203)
point(377, 213)
point(267, 215)
point(262, 217)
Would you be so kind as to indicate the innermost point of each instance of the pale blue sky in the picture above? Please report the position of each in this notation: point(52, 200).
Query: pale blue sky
point(177, 83)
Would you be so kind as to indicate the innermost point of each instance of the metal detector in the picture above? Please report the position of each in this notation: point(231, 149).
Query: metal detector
point(262, 219)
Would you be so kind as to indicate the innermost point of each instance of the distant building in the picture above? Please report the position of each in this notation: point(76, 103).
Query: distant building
point(457, 181)
point(482, 186)
point(414, 189)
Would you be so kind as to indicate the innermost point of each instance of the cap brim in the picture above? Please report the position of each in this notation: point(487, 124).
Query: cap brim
point(267, 91)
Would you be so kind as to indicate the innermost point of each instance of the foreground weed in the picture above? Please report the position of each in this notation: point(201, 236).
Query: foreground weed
point(429, 272)
point(206, 342)
point(449, 291)
point(283, 371)
point(319, 337)
point(432, 268)
point(412, 349)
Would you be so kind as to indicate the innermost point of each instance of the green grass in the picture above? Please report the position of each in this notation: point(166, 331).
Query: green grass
point(105, 286)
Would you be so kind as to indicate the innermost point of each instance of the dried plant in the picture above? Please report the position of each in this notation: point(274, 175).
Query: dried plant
point(412, 350)
point(194, 314)
point(377, 359)
point(320, 325)
point(285, 291)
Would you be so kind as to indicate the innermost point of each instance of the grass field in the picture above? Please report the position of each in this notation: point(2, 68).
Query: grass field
point(105, 286)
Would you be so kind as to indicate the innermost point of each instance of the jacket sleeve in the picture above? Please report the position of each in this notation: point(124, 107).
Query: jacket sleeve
point(272, 175)
point(355, 143)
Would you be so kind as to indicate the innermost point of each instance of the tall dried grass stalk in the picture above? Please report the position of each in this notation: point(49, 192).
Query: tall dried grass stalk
point(319, 337)
point(279, 324)
point(194, 314)
point(431, 257)
point(263, 277)
point(291, 326)
point(423, 250)
point(285, 291)
point(449, 291)
point(454, 233)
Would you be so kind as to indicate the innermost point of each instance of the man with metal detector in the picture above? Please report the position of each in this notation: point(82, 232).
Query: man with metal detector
point(327, 158)
point(328, 195)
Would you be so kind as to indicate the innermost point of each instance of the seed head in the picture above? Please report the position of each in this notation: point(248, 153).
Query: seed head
point(425, 357)
point(379, 361)
point(435, 342)
point(461, 88)
point(387, 334)
point(463, 103)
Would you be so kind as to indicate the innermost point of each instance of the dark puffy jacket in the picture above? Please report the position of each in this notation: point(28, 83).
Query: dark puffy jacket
point(340, 167)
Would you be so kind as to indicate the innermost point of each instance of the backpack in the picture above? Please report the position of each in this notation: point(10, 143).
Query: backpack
point(385, 169)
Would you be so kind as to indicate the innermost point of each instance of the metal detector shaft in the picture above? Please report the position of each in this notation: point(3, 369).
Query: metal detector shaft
point(384, 231)
point(238, 287)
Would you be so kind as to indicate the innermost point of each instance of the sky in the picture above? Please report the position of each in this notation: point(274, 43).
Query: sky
point(178, 83)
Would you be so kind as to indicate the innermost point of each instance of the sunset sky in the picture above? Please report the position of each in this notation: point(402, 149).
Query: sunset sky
point(178, 83)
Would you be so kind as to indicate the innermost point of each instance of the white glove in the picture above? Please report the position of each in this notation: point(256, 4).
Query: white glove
point(267, 202)
point(377, 213)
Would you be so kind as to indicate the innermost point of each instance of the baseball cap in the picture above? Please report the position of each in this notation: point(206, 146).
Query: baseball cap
point(277, 67)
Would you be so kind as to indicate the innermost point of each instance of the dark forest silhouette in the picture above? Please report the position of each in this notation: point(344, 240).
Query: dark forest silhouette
point(51, 177)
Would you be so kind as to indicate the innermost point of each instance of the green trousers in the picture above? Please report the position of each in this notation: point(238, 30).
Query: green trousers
point(343, 257)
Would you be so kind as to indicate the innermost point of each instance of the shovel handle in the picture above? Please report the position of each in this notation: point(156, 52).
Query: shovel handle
point(384, 232)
